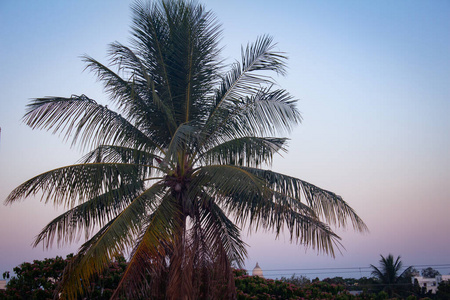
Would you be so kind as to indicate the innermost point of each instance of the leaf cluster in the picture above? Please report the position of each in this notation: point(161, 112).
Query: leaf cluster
point(40, 279)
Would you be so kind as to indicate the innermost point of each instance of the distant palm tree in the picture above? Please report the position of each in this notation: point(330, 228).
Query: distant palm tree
point(389, 273)
point(174, 158)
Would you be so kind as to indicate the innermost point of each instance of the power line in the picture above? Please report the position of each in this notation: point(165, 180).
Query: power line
point(444, 266)
point(362, 271)
point(313, 269)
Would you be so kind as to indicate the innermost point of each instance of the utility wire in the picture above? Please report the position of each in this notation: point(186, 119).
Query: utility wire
point(336, 270)
point(444, 266)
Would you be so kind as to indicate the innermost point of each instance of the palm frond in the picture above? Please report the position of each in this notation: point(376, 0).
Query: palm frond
point(149, 163)
point(266, 112)
point(327, 205)
point(261, 56)
point(68, 227)
point(216, 246)
point(150, 34)
point(124, 92)
point(219, 230)
point(193, 67)
point(405, 272)
point(246, 151)
point(182, 142)
point(148, 260)
point(76, 183)
point(111, 240)
point(87, 120)
point(227, 180)
point(257, 205)
point(126, 59)
point(303, 226)
point(185, 74)
point(377, 273)
point(243, 80)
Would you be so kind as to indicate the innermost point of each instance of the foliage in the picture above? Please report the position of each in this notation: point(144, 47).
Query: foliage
point(368, 284)
point(178, 153)
point(36, 280)
point(39, 280)
point(443, 292)
point(23, 285)
point(381, 295)
point(296, 280)
point(250, 287)
point(335, 280)
point(351, 284)
point(430, 272)
point(389, 274)
point(254, 287)
point(408, 274)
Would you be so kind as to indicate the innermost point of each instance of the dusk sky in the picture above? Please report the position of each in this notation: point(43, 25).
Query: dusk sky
point(373, 83)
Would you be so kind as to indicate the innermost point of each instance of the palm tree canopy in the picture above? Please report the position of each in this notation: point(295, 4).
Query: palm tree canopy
point(389, 271)
point(175, 158)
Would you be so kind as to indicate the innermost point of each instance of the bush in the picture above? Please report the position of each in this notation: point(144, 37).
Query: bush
point(296, 280)
point(38, 280)
point(254, 287)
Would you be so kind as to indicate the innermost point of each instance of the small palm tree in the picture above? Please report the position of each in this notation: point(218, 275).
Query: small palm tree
point(176, 158)
point(389, 273)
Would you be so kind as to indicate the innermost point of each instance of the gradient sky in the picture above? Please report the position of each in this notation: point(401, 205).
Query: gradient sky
point(373, 83)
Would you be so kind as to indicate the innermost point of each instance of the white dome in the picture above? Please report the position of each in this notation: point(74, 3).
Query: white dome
point(257, 271)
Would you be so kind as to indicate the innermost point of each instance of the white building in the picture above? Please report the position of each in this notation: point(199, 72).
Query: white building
point(2, 284)
point(430, 284)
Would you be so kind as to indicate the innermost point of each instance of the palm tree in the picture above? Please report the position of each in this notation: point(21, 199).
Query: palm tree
point(175, 158)
point(389, 274)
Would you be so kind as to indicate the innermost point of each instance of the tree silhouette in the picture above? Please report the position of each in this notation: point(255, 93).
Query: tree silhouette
point(389, 273)
point(430, 272)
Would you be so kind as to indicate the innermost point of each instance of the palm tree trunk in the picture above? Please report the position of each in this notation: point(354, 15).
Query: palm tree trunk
point(181, 266)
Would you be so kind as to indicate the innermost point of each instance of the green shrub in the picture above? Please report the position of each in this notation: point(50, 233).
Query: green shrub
point(381, 295)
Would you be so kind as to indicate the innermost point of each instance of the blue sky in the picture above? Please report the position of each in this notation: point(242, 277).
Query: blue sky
point(373, 83)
